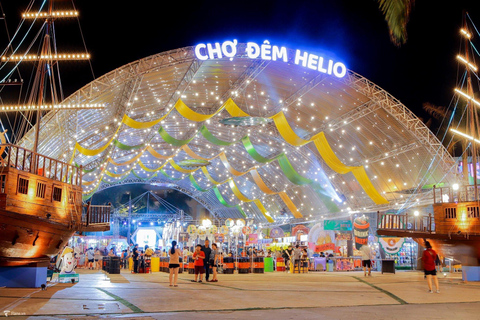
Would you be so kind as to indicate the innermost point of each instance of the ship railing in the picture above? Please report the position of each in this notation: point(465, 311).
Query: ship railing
point(96, 214)
point(406, 222)
point(17, 157)
point(464, 193)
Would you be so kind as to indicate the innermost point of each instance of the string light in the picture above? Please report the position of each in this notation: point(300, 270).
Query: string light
point(52, 107)
point(467, 96)
point(471, 66)
point(55, 14)
point(59, 57)
point(465, 33)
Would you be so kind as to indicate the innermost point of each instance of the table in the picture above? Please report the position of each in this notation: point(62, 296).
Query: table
point(319, 261)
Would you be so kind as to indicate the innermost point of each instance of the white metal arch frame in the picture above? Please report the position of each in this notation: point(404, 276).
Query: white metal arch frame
point(125, 81)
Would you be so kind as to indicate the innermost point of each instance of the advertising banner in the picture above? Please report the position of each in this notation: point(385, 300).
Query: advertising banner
point(391, 245)
point(219, 237)
point(252, 239)
point(299, 229)
point(337, 225)
point(343, 236)
point(325, 247)
point(276, 233)
point(183, 237)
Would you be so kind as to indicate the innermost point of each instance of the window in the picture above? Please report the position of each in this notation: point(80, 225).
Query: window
point(22, 185)
point(71, 197)
point(3, 178)
point(450, 213)
point(473, 212)
point(57, 194)
point(41, 187)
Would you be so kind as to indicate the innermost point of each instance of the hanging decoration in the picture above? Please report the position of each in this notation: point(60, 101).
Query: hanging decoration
point(246, 230)
point(283, 127)
point(224, 229)
point(229, 223)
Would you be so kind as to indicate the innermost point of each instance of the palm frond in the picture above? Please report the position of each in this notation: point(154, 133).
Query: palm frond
point(397, 13)
point(437, 112)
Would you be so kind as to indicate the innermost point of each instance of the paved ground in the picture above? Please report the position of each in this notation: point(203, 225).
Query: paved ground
point(241, 296)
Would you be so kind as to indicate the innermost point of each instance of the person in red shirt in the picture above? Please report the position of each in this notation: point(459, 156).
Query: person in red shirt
point(429, 256)
point(198, 256)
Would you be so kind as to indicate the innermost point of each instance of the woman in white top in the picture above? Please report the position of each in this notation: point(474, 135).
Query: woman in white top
point(174, 263)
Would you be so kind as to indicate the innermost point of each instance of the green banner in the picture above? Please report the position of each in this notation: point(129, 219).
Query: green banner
point(337, 225)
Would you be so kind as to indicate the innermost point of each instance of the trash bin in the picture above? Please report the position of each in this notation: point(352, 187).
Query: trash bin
point(114, 265)
point(330, 265)
point(268, 264)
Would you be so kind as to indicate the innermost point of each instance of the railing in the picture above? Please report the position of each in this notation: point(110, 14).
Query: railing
point(406, 222)
point(450, 195)
point(28, 161)
point(96, 214)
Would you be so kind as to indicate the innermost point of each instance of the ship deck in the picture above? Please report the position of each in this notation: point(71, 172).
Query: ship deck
point(278, 295)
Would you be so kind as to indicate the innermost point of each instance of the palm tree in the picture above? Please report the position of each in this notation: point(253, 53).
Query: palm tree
point(397, 13)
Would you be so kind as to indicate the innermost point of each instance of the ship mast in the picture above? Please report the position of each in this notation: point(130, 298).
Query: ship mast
point(472, 113)
point(46, 82)
point(41, 73)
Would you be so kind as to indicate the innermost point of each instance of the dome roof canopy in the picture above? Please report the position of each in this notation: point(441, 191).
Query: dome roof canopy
point(320, 145)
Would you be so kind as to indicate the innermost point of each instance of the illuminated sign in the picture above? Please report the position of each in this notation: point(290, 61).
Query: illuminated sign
point(265, 51)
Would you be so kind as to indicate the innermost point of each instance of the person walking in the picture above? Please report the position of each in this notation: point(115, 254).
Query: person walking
point(90, 257)
point(135, 255)
point(174, 263)
point(214, 261)
point(429, 257)
point(207, 251)
point(366, 259)
point(199, 257)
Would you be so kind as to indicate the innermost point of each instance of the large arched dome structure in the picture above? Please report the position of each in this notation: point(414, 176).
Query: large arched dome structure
point(374, 153)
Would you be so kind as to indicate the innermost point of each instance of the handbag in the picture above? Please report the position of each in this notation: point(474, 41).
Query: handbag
point(220, 268)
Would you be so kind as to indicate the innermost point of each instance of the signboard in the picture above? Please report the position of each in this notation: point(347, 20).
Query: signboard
point(299, 229)
point(276, 233)
point(343, 236)
point(337, 225)
point(219, 237)
point(325, 247)
point(183, 237)
point(266, 51)
point(391, 245)
point(252, 239)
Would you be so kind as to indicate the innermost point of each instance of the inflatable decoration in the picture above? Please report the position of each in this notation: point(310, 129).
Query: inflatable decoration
point(68, 262)
point(360, 231)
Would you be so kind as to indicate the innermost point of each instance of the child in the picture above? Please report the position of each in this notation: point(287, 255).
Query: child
point(198, 256)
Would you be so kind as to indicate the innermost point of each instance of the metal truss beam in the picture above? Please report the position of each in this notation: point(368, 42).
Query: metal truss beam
point(304, 89)
point(351, 116)
point(252, 71)
point(392, 153)
point(396, 109)
point(123, 102)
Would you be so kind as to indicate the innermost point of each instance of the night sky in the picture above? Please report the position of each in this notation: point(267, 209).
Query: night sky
point(422, 70)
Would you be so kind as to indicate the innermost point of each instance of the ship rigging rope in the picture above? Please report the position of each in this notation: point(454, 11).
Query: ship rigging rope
point(83, 40)
point(408, 203)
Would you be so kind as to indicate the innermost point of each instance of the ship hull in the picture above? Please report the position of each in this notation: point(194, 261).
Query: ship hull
point(29, 239)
